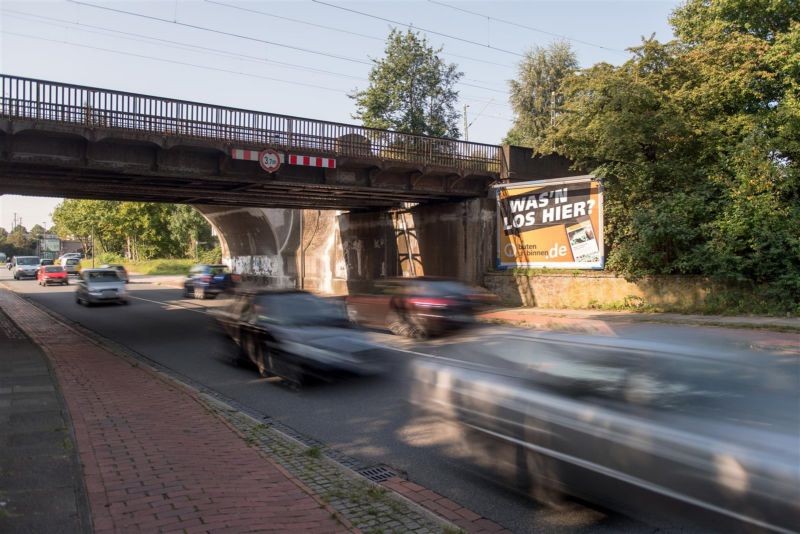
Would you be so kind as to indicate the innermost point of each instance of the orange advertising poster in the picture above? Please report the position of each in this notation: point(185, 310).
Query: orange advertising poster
point(551, 223)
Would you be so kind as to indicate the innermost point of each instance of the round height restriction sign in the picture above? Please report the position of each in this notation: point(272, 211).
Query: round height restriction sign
point(270, 160)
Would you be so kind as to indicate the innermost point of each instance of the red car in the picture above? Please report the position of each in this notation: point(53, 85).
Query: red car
point(417, 307)
point(52, 274)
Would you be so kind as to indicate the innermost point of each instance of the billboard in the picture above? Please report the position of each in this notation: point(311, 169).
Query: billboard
point(551, 223)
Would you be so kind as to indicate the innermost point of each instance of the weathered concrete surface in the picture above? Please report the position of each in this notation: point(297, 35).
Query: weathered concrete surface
point(454, 240)
point(321, 261)
point(262, 244)
point(599, 290)
point(457, 239)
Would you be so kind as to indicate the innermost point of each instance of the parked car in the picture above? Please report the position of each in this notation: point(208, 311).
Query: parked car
point(72, 265)
point(414, 307)
point(121, 272)
point(207, 281)
point(297, 336)
point(631, 425)
point(46, 261)
point(25, 267)
point(52, 274)
point(100, 285)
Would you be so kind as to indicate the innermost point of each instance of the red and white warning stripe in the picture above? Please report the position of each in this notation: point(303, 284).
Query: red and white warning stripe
point(294, 159)
point(312, 161)
point(249, 155)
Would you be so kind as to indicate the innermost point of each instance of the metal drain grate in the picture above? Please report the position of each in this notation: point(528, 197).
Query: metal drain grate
point(377, 473)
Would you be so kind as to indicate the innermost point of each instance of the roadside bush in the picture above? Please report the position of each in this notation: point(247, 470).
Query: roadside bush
point(211, 256)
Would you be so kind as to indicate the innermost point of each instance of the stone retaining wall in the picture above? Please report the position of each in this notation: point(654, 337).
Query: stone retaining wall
point(599, 290)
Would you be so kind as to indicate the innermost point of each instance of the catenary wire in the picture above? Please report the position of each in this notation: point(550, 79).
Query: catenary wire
point(433, 32)
point(274, 43)
point(531, 28)
point(350, 32)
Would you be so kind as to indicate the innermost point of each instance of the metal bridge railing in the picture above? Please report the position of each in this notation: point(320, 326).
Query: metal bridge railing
point(101, 108)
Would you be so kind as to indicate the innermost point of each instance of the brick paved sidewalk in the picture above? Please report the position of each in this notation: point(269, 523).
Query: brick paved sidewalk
point(154, 458)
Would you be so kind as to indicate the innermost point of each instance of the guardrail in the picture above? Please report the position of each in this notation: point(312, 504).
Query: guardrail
point(102, 108)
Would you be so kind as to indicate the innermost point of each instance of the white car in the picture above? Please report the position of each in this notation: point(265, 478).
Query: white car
point(25, 267)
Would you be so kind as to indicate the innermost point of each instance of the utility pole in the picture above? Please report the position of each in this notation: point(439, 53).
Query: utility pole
point(466, 123)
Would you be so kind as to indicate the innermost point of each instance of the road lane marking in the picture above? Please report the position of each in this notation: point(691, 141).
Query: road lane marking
point(196, 310)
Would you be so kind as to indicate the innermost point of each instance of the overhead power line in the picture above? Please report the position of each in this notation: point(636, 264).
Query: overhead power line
point(518, 25)
point(220, 32)
point(174, 62)
point(178, 45)
point(347, 32)
point(249, 38)
point(433, 32)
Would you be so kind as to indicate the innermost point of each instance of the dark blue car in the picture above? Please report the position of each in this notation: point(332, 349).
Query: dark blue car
point(207, 281)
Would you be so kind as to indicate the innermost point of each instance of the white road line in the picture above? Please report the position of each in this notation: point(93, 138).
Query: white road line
point(171, 304)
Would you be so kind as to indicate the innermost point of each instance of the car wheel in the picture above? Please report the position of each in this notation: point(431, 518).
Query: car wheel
point(186, 293)
point(255, 353)
point(66, 282)
point(396, 324)
point(199, 292)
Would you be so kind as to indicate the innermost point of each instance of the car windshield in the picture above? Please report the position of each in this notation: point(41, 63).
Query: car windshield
point(30, 260)
point(53, 269)
point(72, 261)
point(299, 309)
point(102, 276)
point(218, 269)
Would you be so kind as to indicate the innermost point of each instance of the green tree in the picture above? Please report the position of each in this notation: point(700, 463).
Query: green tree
point(535, 95)
point(37, 231)
point(411, 89)
point(134, 230)
point(697, 143)
point(190, 228)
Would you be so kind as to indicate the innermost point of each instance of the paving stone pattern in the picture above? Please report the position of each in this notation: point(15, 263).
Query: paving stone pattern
point(368, 506)
point(154, 458)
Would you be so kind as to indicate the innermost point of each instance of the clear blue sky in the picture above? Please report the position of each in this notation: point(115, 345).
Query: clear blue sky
point(75, 43)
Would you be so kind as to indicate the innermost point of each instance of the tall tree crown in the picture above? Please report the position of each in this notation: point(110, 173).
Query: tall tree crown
point(411, 89)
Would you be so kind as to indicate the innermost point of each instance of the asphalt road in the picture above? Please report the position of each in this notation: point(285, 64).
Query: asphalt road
point(371, 419)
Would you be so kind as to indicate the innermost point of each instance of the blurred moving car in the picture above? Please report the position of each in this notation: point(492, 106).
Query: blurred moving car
point(71, 264)
point(297, 336)
point(100, 285)
point(121, 272)
point(25, 267)
point(707, 437)
point(52, 274)
point(46, 261)
point(417, 307)
point(207, 281)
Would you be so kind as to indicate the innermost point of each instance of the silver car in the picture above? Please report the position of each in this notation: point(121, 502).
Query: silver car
point(100, 285)
point(634, 426)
